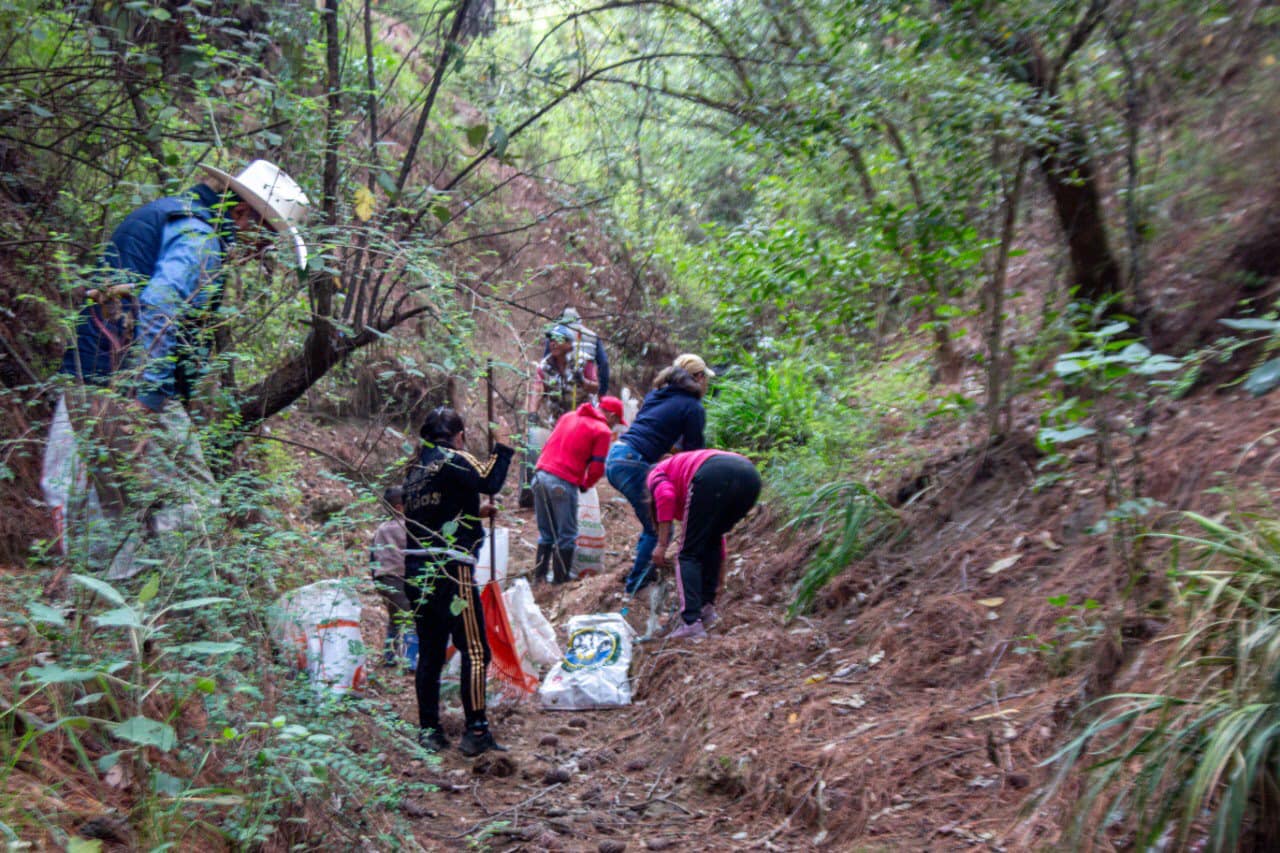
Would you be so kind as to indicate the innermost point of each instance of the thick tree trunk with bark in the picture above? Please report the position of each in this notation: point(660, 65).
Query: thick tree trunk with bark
point(1077, 200)
point(284, 385)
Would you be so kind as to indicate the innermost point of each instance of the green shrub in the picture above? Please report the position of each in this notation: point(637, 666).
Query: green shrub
point(1202, 754)
point(764, 410)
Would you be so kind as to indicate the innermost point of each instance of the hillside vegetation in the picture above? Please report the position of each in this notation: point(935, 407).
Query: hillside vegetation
point(990, 289)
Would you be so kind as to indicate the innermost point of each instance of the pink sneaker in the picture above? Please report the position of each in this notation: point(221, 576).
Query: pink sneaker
point(709, 615)
point(688, 632)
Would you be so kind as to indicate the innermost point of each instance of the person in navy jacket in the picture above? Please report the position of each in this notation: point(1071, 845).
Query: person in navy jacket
point(137, 341)
point(670, 418)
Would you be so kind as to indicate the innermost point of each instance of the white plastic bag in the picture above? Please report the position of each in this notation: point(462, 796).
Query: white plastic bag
point(595, 670)
point(535, 638)
point(173, 464)
point(630, 405)
point(318, 626)
point(589, 559)
point(62, 474)
point(484, 570)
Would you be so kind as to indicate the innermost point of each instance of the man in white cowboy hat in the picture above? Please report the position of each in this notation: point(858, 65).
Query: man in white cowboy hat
point(137, 336)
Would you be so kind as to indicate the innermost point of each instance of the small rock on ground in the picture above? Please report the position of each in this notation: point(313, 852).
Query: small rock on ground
point(557, 775)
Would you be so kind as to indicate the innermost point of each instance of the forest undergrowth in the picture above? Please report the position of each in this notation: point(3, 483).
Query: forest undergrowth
point(990, 291)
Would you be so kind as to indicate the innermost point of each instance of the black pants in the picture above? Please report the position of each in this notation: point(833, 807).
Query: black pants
point(434, 594)
point(722, 492)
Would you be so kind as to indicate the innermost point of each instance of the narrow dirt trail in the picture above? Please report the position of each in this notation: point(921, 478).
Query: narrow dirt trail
point(590, 780)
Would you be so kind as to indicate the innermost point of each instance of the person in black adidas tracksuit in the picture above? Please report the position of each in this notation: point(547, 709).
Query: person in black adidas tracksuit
point(443, 517)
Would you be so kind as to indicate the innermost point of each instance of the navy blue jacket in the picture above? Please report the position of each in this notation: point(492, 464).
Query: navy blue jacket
point(667, 416)
point(134, 255)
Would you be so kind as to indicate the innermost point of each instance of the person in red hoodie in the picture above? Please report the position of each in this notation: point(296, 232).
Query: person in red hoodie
point(708, 491)
point(571, 461)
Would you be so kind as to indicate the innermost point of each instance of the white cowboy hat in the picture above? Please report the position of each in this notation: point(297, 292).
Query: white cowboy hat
point(274, 195)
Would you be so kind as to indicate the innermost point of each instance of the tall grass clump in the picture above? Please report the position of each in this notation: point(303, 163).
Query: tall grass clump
point(850, 520)
point(1198, 762)
point(763, 411)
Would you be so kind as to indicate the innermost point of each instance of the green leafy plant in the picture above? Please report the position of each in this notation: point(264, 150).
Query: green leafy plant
point(1106, 377)
point(850, 520)
point(1075, 632)
point(1202, 755)
point(765, 411)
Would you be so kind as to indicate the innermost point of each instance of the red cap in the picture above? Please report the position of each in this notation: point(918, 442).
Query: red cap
point(614, 405)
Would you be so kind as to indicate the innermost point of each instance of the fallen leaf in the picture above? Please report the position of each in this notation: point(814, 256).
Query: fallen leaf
point(854, 701)
point(1046, 540)
point(1000, 565)
point(875, 658)
point(814, 679)
point(991, 602)
point(793, 718)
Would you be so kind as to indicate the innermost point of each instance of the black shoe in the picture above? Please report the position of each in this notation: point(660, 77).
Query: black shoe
point(562, 564)
point(477, 741)
point(433, 740)
point(542, 563)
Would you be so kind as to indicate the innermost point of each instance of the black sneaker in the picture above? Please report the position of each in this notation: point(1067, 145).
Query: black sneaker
point(433, 740)
point(477, 741)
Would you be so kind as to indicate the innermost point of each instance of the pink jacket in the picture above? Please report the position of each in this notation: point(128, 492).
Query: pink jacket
point(669, 482)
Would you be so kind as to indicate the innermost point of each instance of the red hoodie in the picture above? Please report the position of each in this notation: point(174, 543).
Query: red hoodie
point(576, 449)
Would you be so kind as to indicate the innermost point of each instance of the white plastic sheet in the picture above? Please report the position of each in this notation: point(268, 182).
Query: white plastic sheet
point(318, 627)
point(595, 671)
point(535, 638)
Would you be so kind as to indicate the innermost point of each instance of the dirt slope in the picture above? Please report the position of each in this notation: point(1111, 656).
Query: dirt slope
point(903, 715)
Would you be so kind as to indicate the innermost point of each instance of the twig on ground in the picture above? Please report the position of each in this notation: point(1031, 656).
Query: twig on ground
point(942, 758)
point(986, 702)
point(669, 802)
point(476, 796)
point(490, 818)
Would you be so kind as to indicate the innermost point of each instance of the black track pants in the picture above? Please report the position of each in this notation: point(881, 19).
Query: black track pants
point(436, 625)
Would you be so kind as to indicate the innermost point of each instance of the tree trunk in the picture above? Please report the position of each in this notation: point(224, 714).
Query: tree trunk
point(290, 380)
point(1077, 200)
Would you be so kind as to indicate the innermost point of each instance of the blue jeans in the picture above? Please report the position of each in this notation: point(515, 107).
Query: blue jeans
point(555, 506)
point(627, 471)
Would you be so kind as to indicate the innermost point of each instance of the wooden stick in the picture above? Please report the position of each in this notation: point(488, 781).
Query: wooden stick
point(493, 530)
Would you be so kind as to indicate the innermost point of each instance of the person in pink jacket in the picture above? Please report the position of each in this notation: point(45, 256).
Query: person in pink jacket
point(708, 491)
